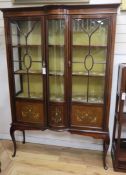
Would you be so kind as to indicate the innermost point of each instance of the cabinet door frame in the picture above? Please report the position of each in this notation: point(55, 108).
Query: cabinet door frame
point(11, 70)
point(109, 63)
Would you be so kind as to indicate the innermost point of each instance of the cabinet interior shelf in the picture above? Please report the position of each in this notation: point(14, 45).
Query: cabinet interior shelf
point(56, 45)
point(82, 62)
point(26, 97)
point(29, 45)
point(29, 72)
point(92, 74)
point(37, 96)
point(57, 73)
point(92, 46)
point(21, 61)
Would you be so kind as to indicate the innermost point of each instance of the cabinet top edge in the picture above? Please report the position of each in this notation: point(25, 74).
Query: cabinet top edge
point(64, 7)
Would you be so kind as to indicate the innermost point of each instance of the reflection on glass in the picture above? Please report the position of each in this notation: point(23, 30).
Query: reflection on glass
point(56, 60)
point(78, 69)
point(29, 86)
point(98, 69)
point(99, 58)
point(79, 88)
point(56, 90)
point(96, 90)
point(56, 31)
point(90, 29)
point(26, 30)
point(36, 87)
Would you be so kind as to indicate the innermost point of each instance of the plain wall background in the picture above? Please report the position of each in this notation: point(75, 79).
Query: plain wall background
point(51, 137)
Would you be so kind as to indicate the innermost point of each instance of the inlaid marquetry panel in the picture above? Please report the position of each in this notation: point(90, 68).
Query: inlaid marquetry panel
point(87, 116)
point(56, 115)
point(29, 112)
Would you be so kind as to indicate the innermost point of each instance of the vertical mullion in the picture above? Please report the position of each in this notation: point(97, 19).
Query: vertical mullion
point(88, 87)
point(28, 83)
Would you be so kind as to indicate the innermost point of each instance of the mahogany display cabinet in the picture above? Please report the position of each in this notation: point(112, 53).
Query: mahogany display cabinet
point(60, 62)
point(119, 136)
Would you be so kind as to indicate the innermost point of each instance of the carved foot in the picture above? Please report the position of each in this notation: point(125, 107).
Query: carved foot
point(12, 130)
point(23, 137)
point(105, 150)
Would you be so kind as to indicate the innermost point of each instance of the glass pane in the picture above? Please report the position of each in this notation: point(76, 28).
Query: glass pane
point(29, 86)
point(90, 30)
point(56, 89)
point(26, 41)
point(78, 68)
point(79, 88)
point(35, 85)
point(27, 58)
point(56, 59)
point(89, 53)
point(21, 85)
point(96, 90)
point(56, 31)
point(26, 32)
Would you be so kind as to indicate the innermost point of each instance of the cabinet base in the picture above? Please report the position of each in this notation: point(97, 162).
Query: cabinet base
point(95, 134)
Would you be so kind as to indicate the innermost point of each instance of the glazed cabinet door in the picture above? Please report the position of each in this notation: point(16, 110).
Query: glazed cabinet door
point(89, 38)
point(56, 50)
point(27, 46)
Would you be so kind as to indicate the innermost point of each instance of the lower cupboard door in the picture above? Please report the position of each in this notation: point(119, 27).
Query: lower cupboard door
point(57, 116)
point(30, 112)
point(87, 116)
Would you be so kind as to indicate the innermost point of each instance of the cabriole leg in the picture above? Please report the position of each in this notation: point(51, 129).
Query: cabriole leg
point(12, 130)
point(105, 150)
point(23, 137)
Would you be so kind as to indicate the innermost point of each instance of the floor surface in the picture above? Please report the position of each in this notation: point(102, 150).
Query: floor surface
point(37, 159)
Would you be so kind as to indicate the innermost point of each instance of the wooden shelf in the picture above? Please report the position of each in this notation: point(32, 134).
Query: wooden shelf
point(33, 61)
point(32, 96)
point(82, 62)
point(84, 100)
point(56, 45)
point(39, 72)
point(92, 46)
point(94, 74)
point(29, 45)
point(57, 73)
point(56, 99)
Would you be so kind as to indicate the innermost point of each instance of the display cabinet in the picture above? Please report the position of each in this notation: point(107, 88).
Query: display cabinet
point(119, 136)
point(60, 68)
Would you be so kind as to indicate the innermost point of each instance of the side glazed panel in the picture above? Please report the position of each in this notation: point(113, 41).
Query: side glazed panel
point(56, 53)
point(27, 57)
point(86, 116)
point(29, 112)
